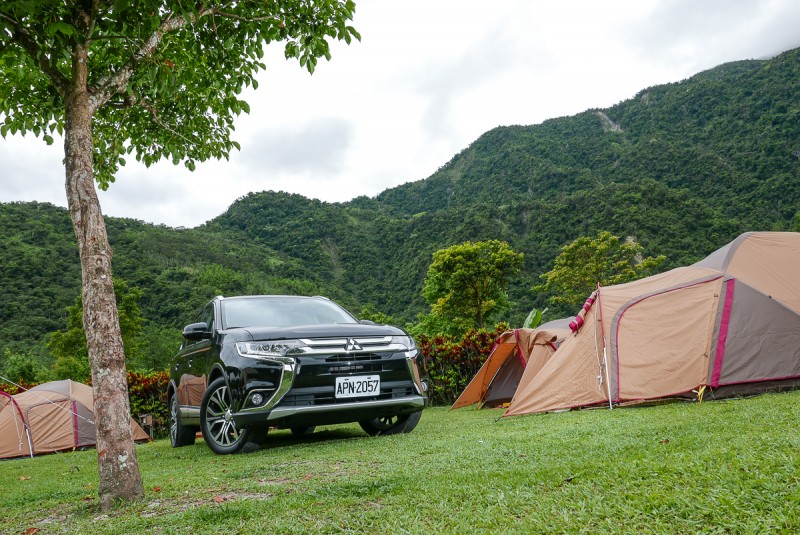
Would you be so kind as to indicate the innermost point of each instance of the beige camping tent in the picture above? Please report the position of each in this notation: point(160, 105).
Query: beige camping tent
point(513, 352)
point(51, 417)
point(729, 324)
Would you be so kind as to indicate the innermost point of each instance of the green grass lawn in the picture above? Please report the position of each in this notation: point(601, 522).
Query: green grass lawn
point(715, 467)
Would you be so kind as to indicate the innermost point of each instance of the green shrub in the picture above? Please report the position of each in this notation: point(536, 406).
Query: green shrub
point(148, 395)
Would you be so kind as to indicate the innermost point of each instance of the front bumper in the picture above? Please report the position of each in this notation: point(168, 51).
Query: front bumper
point(354, 411)
point(304, 393)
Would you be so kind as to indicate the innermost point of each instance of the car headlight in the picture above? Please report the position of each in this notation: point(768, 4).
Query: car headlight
point(270, 349)
point(407, 343)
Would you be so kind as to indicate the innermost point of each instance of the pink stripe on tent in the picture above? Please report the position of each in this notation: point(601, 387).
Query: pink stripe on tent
point(724, 323)
point(13, 403)
point(75, 422)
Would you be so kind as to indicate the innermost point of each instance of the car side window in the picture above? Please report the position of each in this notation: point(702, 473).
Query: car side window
point(207, 315)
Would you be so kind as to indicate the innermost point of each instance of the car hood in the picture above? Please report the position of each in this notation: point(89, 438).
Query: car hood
point(337, 330)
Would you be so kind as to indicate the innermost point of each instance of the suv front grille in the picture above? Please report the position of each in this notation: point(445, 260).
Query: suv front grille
point(315, 377)
point(352, 346)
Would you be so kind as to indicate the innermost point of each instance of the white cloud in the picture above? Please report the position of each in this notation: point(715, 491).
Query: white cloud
point(313, 149)
point(427, 79)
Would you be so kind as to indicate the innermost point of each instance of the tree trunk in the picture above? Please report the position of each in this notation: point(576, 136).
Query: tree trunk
point(117, 462)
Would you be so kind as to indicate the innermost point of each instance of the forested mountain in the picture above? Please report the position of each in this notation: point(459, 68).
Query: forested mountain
point(683, 168)
point(730, 135)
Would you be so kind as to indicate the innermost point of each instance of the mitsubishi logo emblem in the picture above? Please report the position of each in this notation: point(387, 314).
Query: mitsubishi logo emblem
point(352, 345)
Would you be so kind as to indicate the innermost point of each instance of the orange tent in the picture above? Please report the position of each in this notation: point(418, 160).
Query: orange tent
point(727, 325)
point(51, 417)
point(513, 352)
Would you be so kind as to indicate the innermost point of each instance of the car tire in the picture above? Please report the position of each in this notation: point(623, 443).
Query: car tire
point(391, 425)
point(179, 434)
point(303, 431)
point(219, 430)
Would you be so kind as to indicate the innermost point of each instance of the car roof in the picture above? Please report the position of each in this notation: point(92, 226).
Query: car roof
point(276, 296)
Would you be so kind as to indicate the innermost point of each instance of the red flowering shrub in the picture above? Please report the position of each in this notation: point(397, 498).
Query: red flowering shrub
point(148, 395)
point(14, 389)
point(451, 362)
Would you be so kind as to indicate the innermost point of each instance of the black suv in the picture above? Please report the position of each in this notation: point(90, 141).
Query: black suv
point(254, 362)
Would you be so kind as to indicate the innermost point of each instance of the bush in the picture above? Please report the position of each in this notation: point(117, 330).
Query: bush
point(13, 389)
point(148, 395)
point(450, 362)
point(21, 368)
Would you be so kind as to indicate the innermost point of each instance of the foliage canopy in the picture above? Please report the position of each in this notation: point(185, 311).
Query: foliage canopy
point(587, 262)
point(68, 345)
point(468, 283)
point(164, 76)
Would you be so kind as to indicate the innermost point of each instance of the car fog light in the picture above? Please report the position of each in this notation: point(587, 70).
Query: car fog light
point(257, 399)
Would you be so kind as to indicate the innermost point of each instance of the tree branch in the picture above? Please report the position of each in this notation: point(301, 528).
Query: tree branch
point(117, 82)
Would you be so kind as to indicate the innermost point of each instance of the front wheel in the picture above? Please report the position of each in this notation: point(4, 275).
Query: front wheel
point(179, 434)
point(219, 430)
point(391, 425)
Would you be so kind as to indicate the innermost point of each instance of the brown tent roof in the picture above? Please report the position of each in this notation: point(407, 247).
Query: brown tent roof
point(728, 322)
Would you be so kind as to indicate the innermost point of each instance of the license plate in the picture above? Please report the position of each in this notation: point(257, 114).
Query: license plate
point(356, 387)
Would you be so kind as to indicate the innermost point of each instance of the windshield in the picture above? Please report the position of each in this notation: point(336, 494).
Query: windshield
point(283, 311)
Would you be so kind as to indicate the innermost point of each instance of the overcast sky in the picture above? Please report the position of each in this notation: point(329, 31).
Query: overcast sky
point(426, 80)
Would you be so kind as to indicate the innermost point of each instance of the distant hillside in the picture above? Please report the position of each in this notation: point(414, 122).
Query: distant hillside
point(729, 136)
point(683, 168)
point(178, 271)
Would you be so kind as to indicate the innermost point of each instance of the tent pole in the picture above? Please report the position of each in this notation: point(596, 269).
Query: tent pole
point(28, 434)
point(605, 351)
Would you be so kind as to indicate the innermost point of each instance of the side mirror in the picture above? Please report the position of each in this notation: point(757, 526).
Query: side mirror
point(196, 331)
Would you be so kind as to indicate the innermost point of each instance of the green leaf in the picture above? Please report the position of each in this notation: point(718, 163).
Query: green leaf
point(60, 27)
